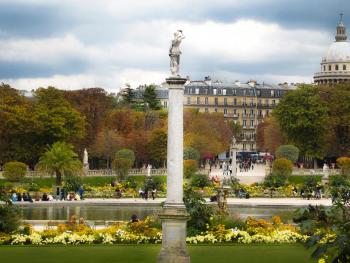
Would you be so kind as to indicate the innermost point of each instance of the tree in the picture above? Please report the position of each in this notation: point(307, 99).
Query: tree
point(344, 164)
point(190, 167)
point(269, 135)
point(150, 98)
point(336, 98)
point(157, 147)
point(302, 116)
point(15, 171)
point(128, 95)
point(191, 154)
point(289, 152)
point(94, 104)
point(124, 159)
point(282, 167)
point(19, 127)
point(60, 160)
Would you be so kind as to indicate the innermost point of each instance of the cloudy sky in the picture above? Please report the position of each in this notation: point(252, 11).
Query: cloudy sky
point(74, 44)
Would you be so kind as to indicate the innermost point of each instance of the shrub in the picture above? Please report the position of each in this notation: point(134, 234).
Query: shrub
point(130, 183)
point(15, 171)
point(126, 154)
point(200, 213)
point(200, 180)
point(273, 180)
point(122, 166)
point(282, 166)
point(344, 164)
point(153, 183)
point(191, 154)
point(190, 168)
point(289, 152)
point(72, 183)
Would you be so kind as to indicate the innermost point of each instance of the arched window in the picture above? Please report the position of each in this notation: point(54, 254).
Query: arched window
point(344, 67)
point(329, 67)
point(336, 67)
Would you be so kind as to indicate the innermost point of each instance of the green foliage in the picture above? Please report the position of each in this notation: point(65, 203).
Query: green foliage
point(200, 180)
point(200, 213)
point(9, 214)
point(131, 182)
point(126, 154)
point(282, 167)
point(150, 98)
point(310, 182)
point(302, 116)
point(122, 167)
point(72, 183)
point(191, 154)
point(153, 182)
point(289, 152)
point(60, 160)
point(190, 168)
point(300, 179)
point(273, 180)
point(128, 96)
point(15, 171)
point(157, 146)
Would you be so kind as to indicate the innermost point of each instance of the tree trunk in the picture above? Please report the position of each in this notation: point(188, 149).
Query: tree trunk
point(58, 178)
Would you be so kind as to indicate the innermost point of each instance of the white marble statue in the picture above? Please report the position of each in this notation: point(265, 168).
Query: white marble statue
point(174, 53)
point(149, 167)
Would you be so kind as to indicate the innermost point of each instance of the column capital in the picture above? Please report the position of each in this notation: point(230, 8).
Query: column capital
point(176, 81)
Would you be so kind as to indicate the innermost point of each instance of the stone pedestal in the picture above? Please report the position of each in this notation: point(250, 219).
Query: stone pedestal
point(174, 215)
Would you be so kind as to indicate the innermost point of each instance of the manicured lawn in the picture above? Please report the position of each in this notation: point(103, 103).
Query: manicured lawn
point(148, 253)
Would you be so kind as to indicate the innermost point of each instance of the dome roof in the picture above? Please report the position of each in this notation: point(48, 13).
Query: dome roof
point(338, 52)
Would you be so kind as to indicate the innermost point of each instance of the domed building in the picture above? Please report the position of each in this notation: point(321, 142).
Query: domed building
point(335, 65)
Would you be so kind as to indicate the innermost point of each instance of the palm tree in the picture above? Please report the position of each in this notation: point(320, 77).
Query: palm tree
point(60, 159)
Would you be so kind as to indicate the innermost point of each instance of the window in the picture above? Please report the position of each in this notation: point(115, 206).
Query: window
point(188, 100)
point(273, 102)
point(225, 101)
point(234, 91)
point(272, 93)
point(234, 101)
point(251, 102)
point(244, 146)
point(225, 111)
point(329, 67)
point(214, 91)
point(165, 104)
point(198, 100)
point(244, 112)
point(344, 67)
point(206, 109)
point(267, 102)
point(197, 90)
point(336, 67)
point(206, 100)
point(259, 102)
point(235, 111)
point(259, 113)
point(216, 101)
point(251, 112)
point(252, 146)
point(219, 91)
point(324, 68)
point(244, 101)
point(251, 123)
point(224, 92)
point(244, 123)
point(216, 110)
point(258, 93)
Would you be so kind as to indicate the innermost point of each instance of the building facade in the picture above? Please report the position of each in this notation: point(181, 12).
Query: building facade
point(247, 104)
point(335, 65)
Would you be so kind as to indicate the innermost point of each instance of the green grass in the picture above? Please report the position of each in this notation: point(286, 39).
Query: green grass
point(148, 253)
point(300, 179)
point(91, 180)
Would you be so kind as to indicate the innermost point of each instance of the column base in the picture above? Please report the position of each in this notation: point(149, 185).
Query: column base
point(174, 217)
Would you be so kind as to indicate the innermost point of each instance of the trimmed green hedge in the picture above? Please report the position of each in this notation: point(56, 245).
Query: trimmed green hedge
point(299, 179)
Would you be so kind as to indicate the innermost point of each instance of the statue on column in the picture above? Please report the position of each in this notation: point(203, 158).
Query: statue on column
point(174, 53)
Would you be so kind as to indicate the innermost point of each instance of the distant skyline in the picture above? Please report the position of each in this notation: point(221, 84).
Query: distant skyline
point(74, 44)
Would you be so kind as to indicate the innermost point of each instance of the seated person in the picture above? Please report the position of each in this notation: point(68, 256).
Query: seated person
point(45, 197)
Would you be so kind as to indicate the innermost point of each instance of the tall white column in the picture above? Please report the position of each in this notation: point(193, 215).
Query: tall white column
point(175, 142)
point(174, 215)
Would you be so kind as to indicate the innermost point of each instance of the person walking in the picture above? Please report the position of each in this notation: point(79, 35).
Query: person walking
point(81, 192)
point(154, 191)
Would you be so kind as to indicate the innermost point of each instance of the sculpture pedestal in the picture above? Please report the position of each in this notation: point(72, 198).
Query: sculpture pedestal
point(174, 217)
